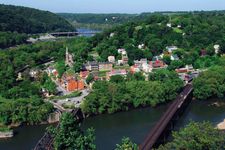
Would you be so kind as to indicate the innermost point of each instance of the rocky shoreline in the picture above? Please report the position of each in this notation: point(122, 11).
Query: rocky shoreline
point(221, 126)
point(6, 134)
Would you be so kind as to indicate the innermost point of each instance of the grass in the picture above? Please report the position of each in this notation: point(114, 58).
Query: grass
point(74, 94)
point(102, 73)
point(121, 67)
point(177, 30)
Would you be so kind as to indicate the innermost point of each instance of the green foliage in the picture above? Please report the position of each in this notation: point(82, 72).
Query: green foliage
point(90, 78)
point(197, 136)
point(73, 94)
point(31, 111)
point(110, 97)
point(201, 31)
point(136, 76)
point(69, 135)
point(29, 20)
point(126, 144)
point(8, 39)
point(48, 84)
point(117, 79)
point(210, 83)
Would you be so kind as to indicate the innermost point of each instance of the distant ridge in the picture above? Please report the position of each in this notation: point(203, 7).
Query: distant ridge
point(28, 20)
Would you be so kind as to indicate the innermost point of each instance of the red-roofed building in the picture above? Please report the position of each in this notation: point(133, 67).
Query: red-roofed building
point(70, 83)
point(157, 64)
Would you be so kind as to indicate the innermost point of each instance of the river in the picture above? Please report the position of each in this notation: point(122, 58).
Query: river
point(110, 129)
point(83, 31)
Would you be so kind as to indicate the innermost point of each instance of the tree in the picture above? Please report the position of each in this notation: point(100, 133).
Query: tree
point(126, 144)
point(70, 136)
point(197, 136)
point(210, 83)
point(90, 78)
point(61, 68)
point(117, 78)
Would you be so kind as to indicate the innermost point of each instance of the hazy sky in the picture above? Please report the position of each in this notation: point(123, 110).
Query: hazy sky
point(119, 6)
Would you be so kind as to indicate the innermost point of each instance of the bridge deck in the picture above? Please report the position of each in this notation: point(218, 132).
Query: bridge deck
point(157, 130)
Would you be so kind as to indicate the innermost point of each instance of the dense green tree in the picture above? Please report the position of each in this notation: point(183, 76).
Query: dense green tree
point(90, 78)
point(117, 79)
point(126, 144)
point(70, 136)
point(210, 83)
point(28, 20)
point(198, 136)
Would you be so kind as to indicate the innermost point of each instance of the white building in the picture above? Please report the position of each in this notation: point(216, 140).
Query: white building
point(120, 50)
point(141, 46)
point(111, 59)
point(170, 49)
point(217, 48)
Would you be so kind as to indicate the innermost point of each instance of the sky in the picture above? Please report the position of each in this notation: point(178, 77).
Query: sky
point(119, 6)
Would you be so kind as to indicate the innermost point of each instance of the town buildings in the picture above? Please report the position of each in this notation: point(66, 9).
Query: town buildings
point(70, 83)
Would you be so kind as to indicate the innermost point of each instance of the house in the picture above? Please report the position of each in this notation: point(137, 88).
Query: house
point(135, 69)
point(174, 57)
point(120, 50)
point(120, 62)
point(124, 57)
point(111, 59)
point(121, 72)
point(142, 61)
point(91, 66)
point(169, 25)
point(146, 68)
point(217, 48)
point(141, 46)
point(52, 71)
point(155, 58)
point(187, 68)
point(170, 49)
point(70, 83)
point(105, 66)
point(157, 64)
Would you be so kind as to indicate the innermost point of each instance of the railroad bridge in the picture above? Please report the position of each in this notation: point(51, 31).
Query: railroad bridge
point(158, 133)
point(165, 124)
point(57, 34)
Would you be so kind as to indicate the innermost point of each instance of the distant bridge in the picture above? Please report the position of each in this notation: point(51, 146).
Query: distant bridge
point(56, 34)
point(166, 123)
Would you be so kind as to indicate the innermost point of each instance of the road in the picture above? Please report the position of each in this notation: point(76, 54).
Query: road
point(76, 101)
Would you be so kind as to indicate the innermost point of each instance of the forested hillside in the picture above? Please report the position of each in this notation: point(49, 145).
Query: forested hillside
point(29, 20)
point(191, 32)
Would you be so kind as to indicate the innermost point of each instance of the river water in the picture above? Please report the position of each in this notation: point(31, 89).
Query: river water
point(110, 129)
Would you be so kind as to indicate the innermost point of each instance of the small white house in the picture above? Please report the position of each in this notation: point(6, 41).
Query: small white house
point(120, 50)
point(174, 57)
point(170, 49)
point(120, 62)
point(141, 46)
point(169, 25)
point(217, 48)
point(111, 59)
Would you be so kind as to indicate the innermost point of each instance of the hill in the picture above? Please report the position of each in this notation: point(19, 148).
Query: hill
point(191, 32)
point(29, 20)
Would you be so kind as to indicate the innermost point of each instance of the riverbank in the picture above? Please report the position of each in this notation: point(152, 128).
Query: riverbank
point(5, 132)
point(221, 126)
